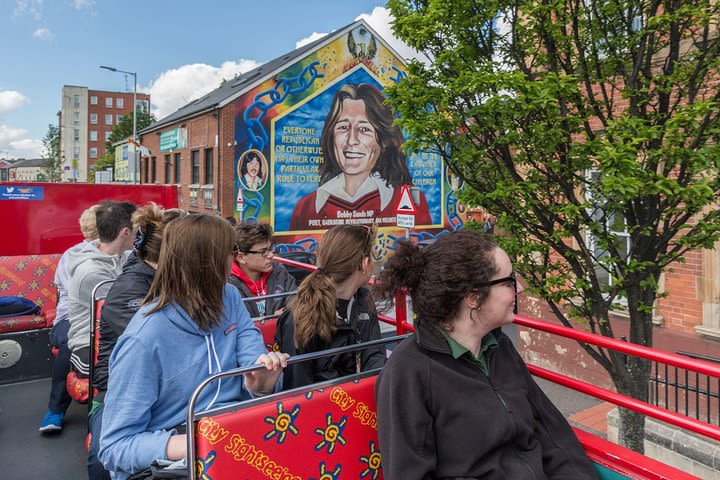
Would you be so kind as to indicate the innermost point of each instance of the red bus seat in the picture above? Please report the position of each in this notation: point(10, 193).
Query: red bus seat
point(31, 277)
point(78, 388)
point(267, 329)
point(328, 432)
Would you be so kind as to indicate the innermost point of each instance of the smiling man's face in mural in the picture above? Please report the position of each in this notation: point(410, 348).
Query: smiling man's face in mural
point(253, 167)
point(356, 145)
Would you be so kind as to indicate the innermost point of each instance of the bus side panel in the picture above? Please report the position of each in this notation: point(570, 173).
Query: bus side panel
point(40, 218)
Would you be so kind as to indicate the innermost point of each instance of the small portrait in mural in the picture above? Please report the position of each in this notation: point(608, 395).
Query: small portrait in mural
point(456, 183)
point(252, 170)
point(364, 166)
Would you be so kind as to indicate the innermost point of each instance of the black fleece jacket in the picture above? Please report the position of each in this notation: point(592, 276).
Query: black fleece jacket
point(361, 326)
point(278, 281)
point(123, 300)
point(444, 418)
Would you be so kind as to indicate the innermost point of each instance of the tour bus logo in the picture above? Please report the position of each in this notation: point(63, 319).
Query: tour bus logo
point(25, 190)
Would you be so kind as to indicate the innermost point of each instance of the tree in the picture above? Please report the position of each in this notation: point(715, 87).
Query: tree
point(51, 153)
point(124, 129)
point(591, 130)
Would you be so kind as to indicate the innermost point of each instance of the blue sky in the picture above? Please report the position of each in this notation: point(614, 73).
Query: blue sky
point(180, 50)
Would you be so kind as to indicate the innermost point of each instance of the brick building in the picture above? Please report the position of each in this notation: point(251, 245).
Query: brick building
point(86, 119)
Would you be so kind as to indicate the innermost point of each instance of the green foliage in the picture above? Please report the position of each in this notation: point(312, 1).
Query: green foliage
point(124, 129)
point(526, 99)
point(51, 153)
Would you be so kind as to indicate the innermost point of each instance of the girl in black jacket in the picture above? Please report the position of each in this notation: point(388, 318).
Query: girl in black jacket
point(333, 309)
point(455, 399)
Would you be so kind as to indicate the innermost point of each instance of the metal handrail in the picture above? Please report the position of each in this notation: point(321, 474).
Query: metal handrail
point(673, 359)
point(272, 295)
point(190, 436)
point(91, 363)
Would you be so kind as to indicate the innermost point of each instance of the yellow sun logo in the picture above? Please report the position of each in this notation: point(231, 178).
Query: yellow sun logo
point(332, 434)
point(372, 461)
point(283, 423)
point(326, 475)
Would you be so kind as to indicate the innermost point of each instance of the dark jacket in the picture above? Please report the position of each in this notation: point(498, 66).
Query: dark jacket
point(123, 300)
point(279, 281)
point(361, 326)
point(444, 418)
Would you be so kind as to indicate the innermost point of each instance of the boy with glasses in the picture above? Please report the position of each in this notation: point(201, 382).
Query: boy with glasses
point(254, 273)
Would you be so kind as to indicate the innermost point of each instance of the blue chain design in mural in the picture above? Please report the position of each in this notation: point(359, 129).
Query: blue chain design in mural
point(276, 95)
point(400, 75)
point(451, 209)
point(253, 202)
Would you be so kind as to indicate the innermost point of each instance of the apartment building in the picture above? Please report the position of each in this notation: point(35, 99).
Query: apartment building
point(86, 119)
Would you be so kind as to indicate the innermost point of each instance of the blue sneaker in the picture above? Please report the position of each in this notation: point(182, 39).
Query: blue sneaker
point(52, 422)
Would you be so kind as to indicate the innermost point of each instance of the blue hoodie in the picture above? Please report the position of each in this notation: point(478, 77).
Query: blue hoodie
point(155, 367)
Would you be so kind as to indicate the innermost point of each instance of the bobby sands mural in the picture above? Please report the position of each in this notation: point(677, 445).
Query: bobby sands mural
point(363, 165)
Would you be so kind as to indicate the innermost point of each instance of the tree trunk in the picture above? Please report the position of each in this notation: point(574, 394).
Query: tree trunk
point(631, 424)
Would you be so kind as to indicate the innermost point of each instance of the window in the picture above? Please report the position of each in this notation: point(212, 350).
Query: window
point(76, 153)
point(195, 162)
point(93, 100)
point(146, 164)
point(76, 101)
point(143, 106)
point(93, 152)
point(153, 170)
point(108, 119)
point(76, 134)
point(107, 136)
point(119, 102)
point(93, 135)
point(76, 117)
point(168, 167)
point(108, 102)
point(118, 118)
point(208, 166)
point(93, 118)
point(615, 224)
point(177, 168)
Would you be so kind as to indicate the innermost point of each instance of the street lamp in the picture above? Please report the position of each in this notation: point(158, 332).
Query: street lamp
point(134, 135)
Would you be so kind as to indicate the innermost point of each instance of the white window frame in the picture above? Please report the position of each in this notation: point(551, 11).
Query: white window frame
point(120, 102)
point(108, 119)
point(108, 102)
point(610, 221)
point(93, 152)
point(118, 119)
point(93, 135)
point(93, 118)
point(93, 100)
point(107, 136)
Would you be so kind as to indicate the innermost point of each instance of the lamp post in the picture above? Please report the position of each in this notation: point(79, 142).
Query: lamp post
point(136, 173)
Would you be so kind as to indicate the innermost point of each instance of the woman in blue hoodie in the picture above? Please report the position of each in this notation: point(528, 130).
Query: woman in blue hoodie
point(193, 325)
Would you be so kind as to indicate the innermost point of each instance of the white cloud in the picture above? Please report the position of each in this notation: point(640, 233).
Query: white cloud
point(379, 19)
point(11, 100)
point(80, 4)
point(313, 36)
point(174, 88)
point(15, 144)
point(43, 34)
point(28, 7)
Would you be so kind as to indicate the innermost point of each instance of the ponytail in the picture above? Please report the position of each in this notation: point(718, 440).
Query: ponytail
point(313, 309)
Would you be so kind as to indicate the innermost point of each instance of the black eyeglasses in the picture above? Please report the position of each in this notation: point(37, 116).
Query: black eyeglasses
point(265, 252)
point(512, 279)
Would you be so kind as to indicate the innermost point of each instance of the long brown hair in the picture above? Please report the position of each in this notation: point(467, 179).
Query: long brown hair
point(340, 254)
point(192, 269)
point(392, 163)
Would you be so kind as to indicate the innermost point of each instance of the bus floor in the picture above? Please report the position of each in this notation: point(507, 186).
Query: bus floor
point(25, 452)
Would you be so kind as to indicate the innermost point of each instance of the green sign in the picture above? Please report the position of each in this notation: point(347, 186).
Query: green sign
point(173, 139)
